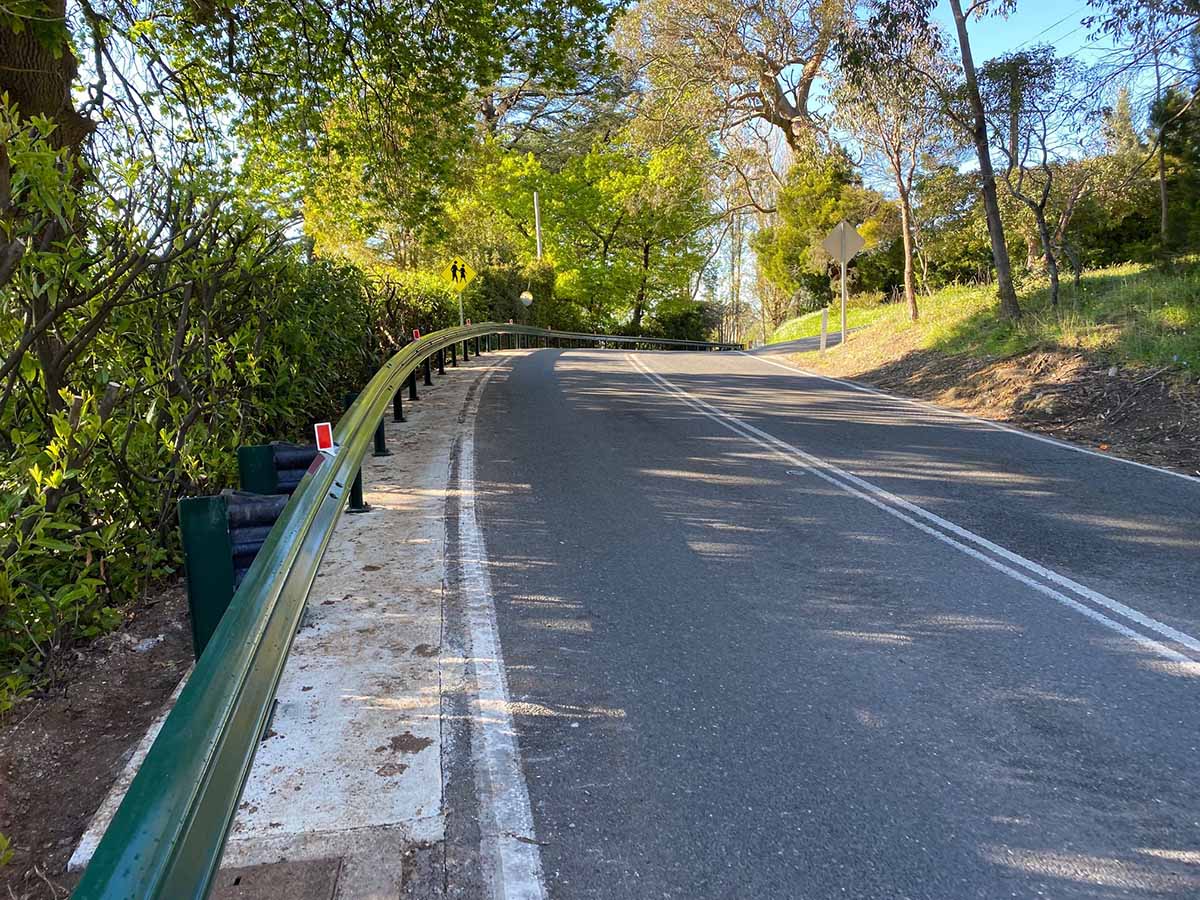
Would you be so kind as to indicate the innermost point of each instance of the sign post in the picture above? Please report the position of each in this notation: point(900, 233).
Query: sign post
point(459, 274)
point(843, 244)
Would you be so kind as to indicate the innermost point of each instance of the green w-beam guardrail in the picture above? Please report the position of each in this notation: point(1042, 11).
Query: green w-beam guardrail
point(166, 839)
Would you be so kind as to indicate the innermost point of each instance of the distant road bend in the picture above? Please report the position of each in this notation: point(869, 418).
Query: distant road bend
point(761, 634)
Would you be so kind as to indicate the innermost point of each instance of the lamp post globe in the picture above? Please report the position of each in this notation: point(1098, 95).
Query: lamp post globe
point(526, 299)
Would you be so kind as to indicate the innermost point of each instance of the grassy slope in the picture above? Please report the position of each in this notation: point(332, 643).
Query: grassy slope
point(809, 324)
point(1131, 314)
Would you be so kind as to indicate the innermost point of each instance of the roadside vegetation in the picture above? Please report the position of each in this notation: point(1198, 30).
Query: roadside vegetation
point(217, 217)
point(860, 311)
point(1128, 314)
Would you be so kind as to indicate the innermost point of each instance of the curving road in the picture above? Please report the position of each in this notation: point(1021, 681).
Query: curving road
point(767, 635)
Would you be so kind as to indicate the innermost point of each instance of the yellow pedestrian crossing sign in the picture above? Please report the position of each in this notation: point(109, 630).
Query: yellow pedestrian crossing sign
point(458, 273)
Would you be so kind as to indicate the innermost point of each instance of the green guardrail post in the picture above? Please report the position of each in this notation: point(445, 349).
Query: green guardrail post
point(256, 469)
point(208, 551)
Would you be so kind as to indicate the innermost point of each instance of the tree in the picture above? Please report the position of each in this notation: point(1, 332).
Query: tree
point(1121, 135)
point(820, 191)
point(730, 64)
point(1039, 118)
point(952, 239)
point(1175, 121)
point(911, 16)
point(1155, 42)
point(896, 118)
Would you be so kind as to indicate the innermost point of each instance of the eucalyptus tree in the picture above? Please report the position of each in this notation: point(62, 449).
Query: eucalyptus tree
point(962, 103)
point(897, 118)
point(1042, 119)
point(729, 64)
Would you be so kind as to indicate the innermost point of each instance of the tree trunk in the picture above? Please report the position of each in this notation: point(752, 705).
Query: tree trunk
point(1048, 254)
point(39, 74)
point(910, 287)
point(735, 276)
point(1163, 216)
point(1034, 249)
point(639, 308)
point(1009, 307)
point(1164, 220)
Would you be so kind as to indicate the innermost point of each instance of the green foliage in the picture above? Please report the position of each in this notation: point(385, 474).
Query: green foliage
point(952, 236)
point(148, 327)
point(624, 229)
point(682, 319)
point(410, 300)
point(822, 190)
point(1178, 117)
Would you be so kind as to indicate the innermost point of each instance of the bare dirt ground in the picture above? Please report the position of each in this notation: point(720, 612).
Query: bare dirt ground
point(60, 751)
point(1142, 414)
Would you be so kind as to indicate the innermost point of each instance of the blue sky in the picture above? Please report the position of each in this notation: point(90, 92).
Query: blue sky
point(1054, 22)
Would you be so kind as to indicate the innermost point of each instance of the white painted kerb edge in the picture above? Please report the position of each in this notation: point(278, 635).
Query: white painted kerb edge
point(512, 863)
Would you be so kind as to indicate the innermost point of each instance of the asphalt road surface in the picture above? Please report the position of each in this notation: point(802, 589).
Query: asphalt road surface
point(768, 636)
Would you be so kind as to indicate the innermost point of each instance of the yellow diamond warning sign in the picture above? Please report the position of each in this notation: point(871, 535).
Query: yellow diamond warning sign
point(458, 274)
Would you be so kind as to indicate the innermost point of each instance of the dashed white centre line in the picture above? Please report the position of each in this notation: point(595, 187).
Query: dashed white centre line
point(949, 533)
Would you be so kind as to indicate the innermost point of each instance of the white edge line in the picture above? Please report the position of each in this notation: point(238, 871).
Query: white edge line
point(990, 423)
point(815, 465)
point(511, 860)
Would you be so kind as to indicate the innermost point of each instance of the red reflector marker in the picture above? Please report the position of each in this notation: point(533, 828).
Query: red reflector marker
point(324, 436)
point(416, 334)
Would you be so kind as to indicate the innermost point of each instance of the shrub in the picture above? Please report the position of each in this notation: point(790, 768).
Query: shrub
point(149, 325)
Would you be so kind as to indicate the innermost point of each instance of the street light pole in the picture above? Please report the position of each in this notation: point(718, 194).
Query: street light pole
point(537, 224)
